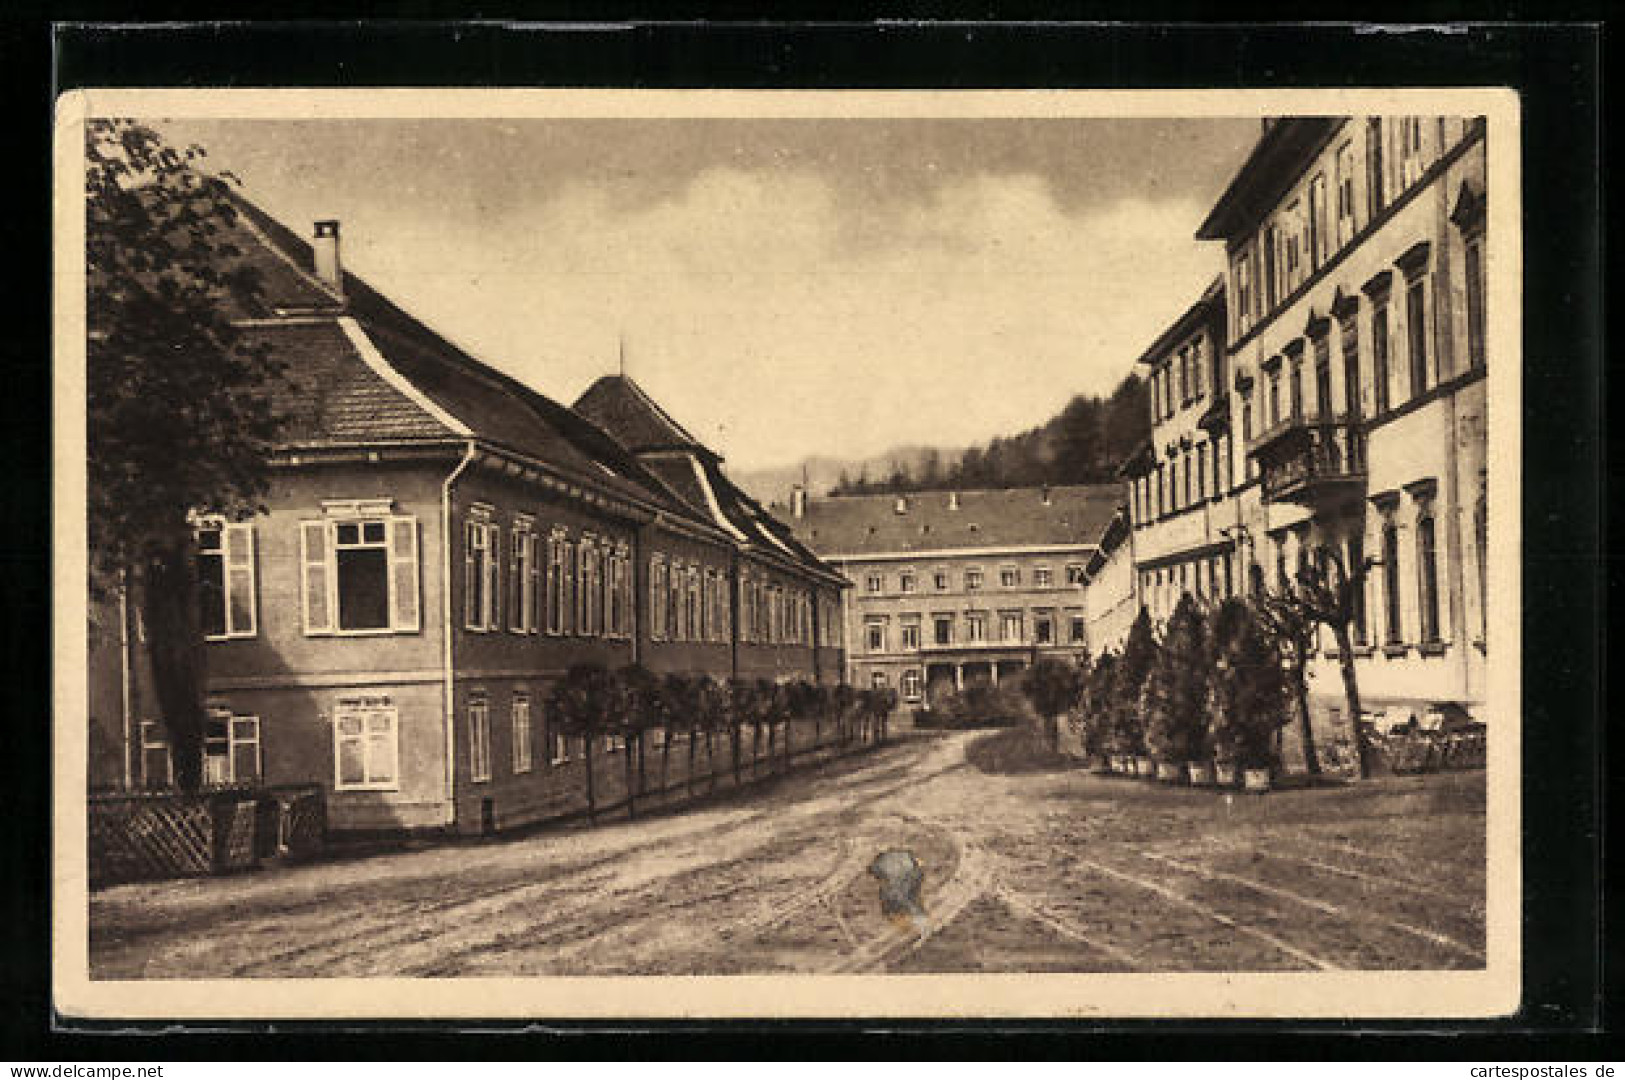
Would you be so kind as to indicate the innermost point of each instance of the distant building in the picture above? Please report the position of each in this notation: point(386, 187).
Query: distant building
point(441, 544)
point(954, 588)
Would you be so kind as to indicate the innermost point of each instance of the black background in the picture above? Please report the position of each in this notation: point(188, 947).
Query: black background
point(1556, 69)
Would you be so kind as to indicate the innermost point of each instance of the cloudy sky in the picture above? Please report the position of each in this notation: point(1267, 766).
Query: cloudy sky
point(784, 287)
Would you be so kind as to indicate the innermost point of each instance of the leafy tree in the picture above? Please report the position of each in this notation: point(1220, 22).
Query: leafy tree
point(742, 711)
point(180, 414)
point(1052, 687)
point(1176, 691)
point(1247, 696)
point(679, 698)
point(1290, 626)
point(588, 701)
point(1132, 668)
point(713, 714)
point(1095, 705)
point(643, 707)
point(844, 700)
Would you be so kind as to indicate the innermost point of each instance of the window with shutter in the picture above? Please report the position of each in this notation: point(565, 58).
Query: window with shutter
point(316, 578)
point(404, 609)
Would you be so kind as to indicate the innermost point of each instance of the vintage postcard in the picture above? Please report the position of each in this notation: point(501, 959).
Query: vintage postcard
point(571, 554)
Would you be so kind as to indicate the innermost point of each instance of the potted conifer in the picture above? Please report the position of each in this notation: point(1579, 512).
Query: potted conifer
point(1249, 699)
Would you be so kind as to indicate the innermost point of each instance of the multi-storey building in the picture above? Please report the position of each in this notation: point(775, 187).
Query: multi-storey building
point(951, 588)
point(1347, 411)
point(440, 544)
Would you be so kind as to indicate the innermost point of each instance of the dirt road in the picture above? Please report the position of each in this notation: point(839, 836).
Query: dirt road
point(1037, 870)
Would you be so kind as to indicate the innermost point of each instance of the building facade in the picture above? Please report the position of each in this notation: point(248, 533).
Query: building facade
point(440, 544)
point(949, 589)
point(1346, 411)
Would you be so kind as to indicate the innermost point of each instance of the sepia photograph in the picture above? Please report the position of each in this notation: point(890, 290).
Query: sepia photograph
point(683, 554)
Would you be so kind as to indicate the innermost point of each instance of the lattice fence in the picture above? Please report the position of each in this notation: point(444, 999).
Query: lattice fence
point(139, 837)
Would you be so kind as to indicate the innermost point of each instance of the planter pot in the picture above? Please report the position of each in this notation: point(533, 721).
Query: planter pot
point(1168, 772)
point(1225, 774)
point(1200, 772)
point(1258, 780)
point(1144, 767)
point(1098, 765)
point(1122, 765)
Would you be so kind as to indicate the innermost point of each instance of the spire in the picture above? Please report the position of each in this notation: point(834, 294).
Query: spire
point(623, 354)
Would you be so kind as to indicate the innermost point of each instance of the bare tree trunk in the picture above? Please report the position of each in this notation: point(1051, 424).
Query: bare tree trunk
point(592, 796)
point(665, 759)
point(174, 640)
point(631, 795)
point(1351, 694)
point(1300, 698)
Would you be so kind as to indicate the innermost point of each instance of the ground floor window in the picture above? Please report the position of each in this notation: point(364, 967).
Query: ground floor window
point(231, 748)
point(479, 739)
point(1428, 572)
point(911, 685)
point(877, 679)
point(367, 752)
point(157, 766)
point(521, 733)
point(1390, 584)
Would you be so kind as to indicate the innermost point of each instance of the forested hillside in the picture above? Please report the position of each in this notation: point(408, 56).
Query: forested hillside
point(1084, 444)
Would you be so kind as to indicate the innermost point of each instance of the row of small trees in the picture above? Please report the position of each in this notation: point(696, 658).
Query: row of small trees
point(1221, 681)
point(593, 702)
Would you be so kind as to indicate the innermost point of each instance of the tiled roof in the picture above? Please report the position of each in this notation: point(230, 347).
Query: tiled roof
point(991, 518)
point(617, 404)
point(689, 468)
point(339, 398)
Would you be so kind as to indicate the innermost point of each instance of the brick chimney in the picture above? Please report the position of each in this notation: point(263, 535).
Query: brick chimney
point(326, 247)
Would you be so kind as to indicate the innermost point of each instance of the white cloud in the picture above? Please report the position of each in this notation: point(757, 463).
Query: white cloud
point(777, 323)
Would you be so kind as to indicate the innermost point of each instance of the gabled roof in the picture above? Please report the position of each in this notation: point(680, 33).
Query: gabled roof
point(1276, 161)
point(690, 469)
point(364, 370)
point(993, 518)
point(617, 404)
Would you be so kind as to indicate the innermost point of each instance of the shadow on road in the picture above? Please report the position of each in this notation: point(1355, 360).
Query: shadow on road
point(1016, 750)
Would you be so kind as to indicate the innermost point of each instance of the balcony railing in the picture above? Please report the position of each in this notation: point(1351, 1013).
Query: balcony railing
point(1307, 459)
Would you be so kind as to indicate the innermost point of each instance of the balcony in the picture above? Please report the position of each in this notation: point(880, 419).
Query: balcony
point(1311, 460)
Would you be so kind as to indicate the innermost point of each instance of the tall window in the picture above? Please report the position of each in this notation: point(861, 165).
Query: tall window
point(911, 635)
point(1294, 245)
point(1244, 308)
point(480, 573)
point(657, 597)
point(1010, 628)
point(479, 739)
point(1198, 387)
point(877, 636)
point(943, 629)
point(231, 748)
point(1379, 353)
point(1374, 170)
point(1394, 629)
point(1246, 418)
point(1427, 569)
point(522, 579)
point(1350, 334)
point(225, 572)
point(360, 574)
point(976, 626)
point(1275, 395)
point(1410, 150)
point(1201, 471)
point(522, 733)
point(1323, 376)
point(1416, 328)
point(1043, 628)
point(1317, 220)
point(366, 751)
point(1077, 631)
point(1272, 269)
point(1295, 388)
point(1481, 532)
point(1345, 193)
point(157, 766)
point(1473, 252)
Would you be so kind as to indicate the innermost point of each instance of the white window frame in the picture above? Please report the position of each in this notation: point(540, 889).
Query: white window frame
point(976, 627)
point(911, 630)
point(367, 708)
point(911, 685)
point(973, 578)
point(231, 744)
point(875, 583)
point(319, 572)
point(1005, 619)
point(1044, 618)
point(153, 738)
point(1043, 577)
point(479, 739)
point(237, 557)
point(1075, 572)
point(1009, 577)
point(522, 576)
point(523, 733)
point(873, 630)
